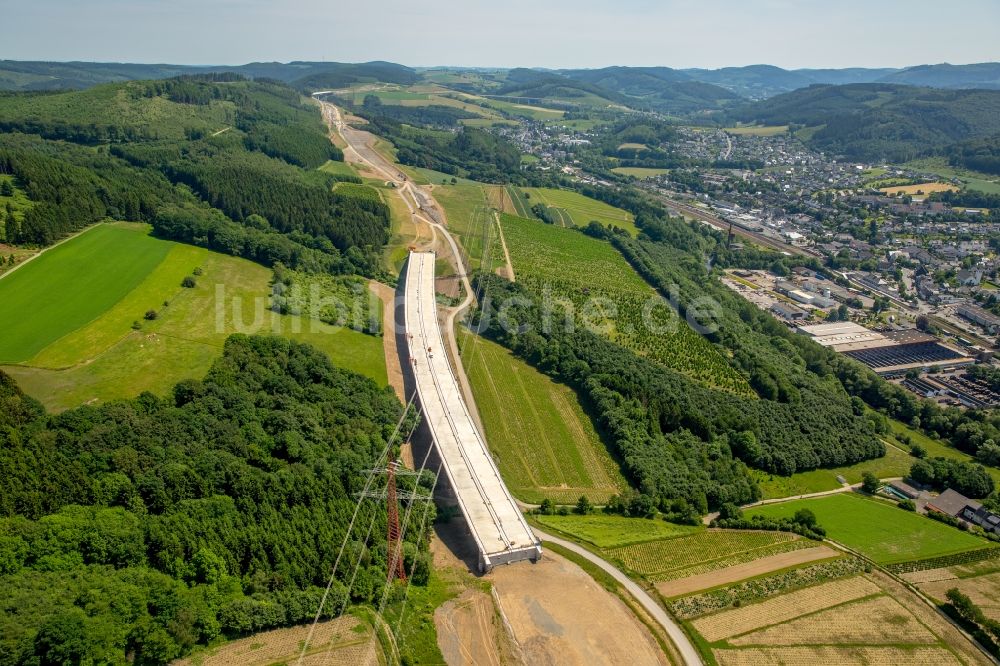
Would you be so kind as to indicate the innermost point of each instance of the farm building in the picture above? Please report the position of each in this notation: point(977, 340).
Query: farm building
point(959, 506)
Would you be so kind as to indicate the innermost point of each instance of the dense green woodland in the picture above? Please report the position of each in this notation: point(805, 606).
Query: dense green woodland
point(876, 121)
point(681, 440)
point(35, 75)
point(142, 527)
point(469, 152)
point(215, 161)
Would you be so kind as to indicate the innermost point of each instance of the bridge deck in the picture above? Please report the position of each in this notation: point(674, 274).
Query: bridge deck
point(498, 527)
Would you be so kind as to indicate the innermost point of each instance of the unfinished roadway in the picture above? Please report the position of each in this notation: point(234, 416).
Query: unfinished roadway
point(499, 529)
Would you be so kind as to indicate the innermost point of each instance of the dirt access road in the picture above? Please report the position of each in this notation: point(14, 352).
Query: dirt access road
point(425, 211)
point(543, 614)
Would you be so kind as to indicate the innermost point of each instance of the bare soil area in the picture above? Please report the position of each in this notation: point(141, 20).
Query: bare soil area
point(560, 615)
point(681, 586)
point(346, 641)
point(470, 631)
point(392, 363)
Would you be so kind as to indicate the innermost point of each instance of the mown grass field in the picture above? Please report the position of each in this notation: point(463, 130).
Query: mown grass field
point(103, 357)
point(519, 205)
point(610, 531)
point(582, 210)
point(609, 297)
point(339, 168)
point(878, 529)
point(659, 551)
point(547, 448)
point(72, 284)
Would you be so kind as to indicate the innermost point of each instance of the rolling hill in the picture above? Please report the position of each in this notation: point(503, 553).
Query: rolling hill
point(658, 88)
point(33, 75)
point(875, 121)
point(763, 81)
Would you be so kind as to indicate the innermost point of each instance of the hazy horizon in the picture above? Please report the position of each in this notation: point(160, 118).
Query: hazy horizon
point(792, 34)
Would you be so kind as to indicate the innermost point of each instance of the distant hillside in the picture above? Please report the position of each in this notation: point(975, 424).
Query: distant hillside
point(546, 85)
point(16, 75)
point(982, 75)
point(658, 88)
point(763, 81)
point(216, 161)
point(882, 121)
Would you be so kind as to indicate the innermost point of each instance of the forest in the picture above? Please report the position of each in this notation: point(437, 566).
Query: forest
point(875, 121)
point(676, 437)
point(978, 155)
point(229, 165)
point(133, 531)
point(471, 153)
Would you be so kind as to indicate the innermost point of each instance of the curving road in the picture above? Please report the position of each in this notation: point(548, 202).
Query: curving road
point(680, 640)
point(358, 144)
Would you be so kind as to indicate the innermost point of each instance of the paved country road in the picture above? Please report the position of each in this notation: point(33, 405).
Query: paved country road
point(677, 635)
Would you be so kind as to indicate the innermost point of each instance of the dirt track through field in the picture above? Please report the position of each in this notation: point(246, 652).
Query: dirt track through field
point(392, 366)
point(675, 588)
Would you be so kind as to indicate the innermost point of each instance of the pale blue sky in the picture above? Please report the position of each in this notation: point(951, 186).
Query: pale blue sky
point(544, 33)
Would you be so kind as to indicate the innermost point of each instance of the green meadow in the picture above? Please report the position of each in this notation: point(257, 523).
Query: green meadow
point(100, 355)
point(877, 528)
point(548, 449)
point(72, 284)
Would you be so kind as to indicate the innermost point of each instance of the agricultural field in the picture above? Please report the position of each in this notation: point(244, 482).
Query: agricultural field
point(549, 448)
point(577, 124)
point(524, 110)
point(71, 284)
point(862, 524)
point(840, 618)
point(980, 583)
point(771, 130)
point(640, 172)
point(703, 552)
point(610, 297)
point(345, 640)
point(611, 531)
point(895, 463)
point(973, 180)
point(471, 222)
point(582, 210)
point(680, 559)
point(520, 205)
point(919, 189)
point(109, 348)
